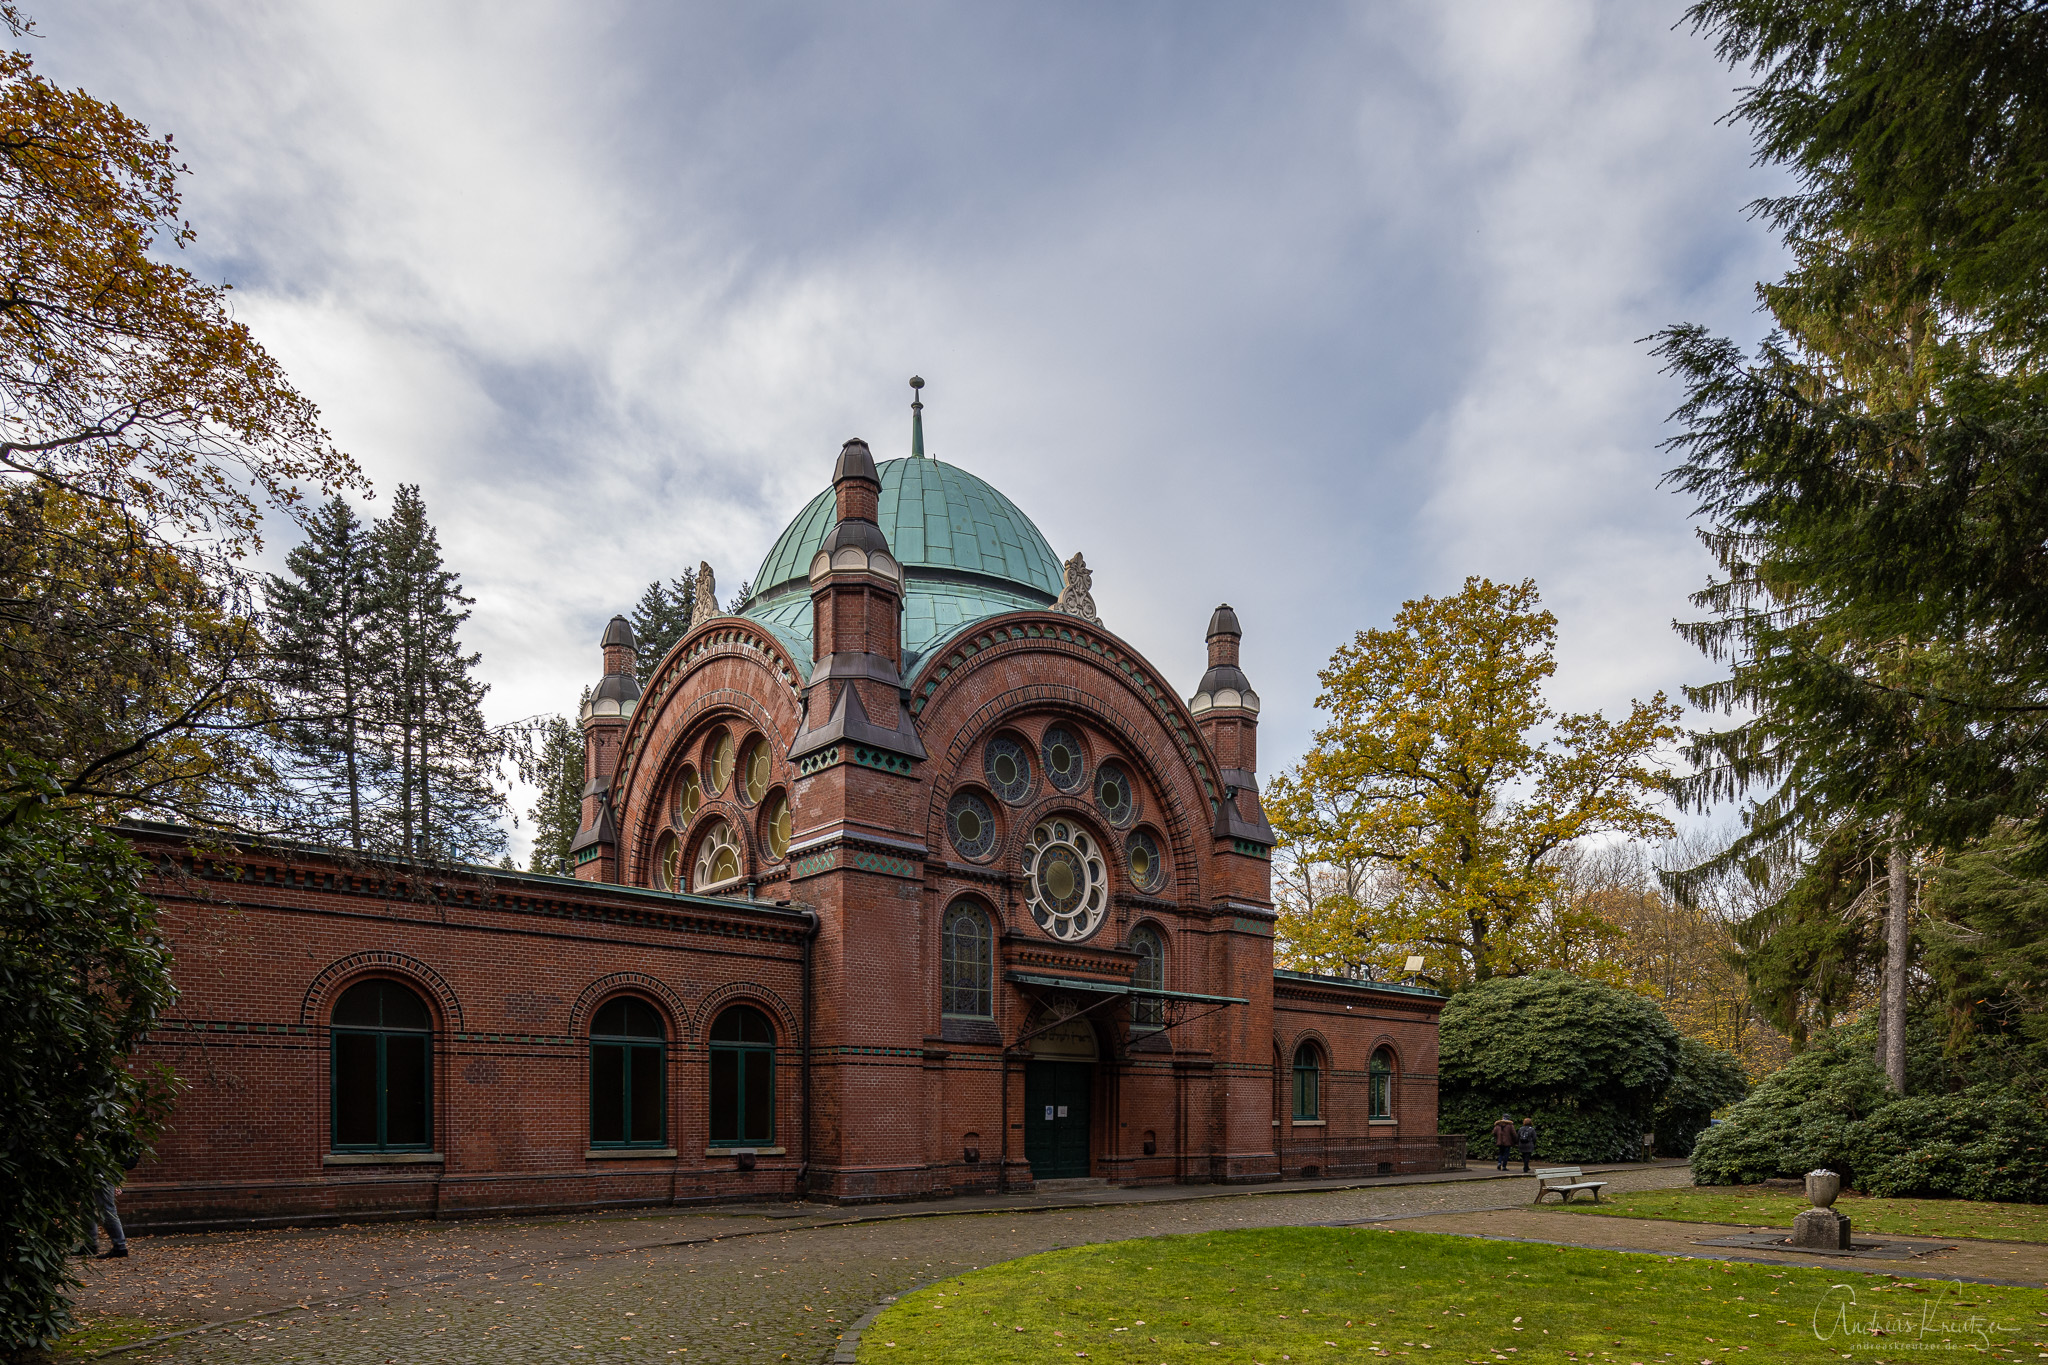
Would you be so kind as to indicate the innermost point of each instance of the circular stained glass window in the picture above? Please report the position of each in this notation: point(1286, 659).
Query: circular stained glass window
point(1141, 855)
point(689, 796)
point(1114, 795)
point(754, 772)
point(1062, 756)
point(777, 826)
point(971, 825)
point(668, 864)
point(718, 763)
point(718, 858)
point(1008, 769)
point(1064, 880)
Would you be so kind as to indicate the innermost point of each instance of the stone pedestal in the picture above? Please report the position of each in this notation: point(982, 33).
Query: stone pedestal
point(1821, 1229)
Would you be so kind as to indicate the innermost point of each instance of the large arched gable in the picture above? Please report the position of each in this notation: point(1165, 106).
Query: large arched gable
point(678, 703)
point(1096, 680)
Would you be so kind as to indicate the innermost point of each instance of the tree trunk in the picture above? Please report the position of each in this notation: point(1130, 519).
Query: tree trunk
point(1897, 944)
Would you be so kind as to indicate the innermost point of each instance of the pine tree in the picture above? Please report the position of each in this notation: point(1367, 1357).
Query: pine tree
point(443, 802)
point(325, 642)
point(662, 618)
point(558, 811)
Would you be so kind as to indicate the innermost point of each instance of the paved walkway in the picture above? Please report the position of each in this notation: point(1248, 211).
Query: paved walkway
point(738, 1284)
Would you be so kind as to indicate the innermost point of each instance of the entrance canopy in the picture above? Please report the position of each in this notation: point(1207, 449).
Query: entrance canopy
point(1076, 983)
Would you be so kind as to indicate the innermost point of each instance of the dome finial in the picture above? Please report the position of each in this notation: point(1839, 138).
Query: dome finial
point(916, 418)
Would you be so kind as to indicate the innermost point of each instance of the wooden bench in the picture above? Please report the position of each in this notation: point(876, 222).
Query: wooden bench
point(1564, 1182)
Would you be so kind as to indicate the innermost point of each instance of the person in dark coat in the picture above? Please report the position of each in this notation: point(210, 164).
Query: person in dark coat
point(1503, 1142)
point(1525, 1138)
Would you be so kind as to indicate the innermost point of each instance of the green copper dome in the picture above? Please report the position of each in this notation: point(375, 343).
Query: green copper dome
point(966, 550)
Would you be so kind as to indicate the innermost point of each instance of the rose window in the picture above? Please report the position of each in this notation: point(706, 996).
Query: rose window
point(971, 825)
point(1062, 759)
point(1113, 794)
point(1009, 771)
point(1064, 880)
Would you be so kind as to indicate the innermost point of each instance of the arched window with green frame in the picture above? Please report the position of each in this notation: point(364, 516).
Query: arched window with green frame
point(1308, 1082)
point(381, 1070)
point(742, 1078)
point(1148, 1012)
point(628, 1063)
point(1380, 1084)
point(968, 968)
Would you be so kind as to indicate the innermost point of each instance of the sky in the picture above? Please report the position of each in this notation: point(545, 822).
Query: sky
point(1312, 308)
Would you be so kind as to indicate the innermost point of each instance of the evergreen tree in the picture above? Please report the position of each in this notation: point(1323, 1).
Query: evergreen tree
point(326, 643)
point(662, 618)
point(558, 811)
point(443, 802)
point(1876, 475)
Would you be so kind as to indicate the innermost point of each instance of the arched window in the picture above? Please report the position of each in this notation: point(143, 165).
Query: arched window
point(742, 1078)
point(628, 1051)
point(718, 858)
point(1308, 1082)
point(1380, 1084)
point(381, 1051)
point(969, 970)
point(1150, 975)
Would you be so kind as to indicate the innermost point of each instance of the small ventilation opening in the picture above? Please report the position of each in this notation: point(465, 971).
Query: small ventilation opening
point(1311, 1172)
point(1386, 1168)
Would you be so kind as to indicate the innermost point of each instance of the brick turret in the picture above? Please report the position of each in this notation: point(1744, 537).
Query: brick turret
point(856, 686)
point(1226, 710)
point(595, 853)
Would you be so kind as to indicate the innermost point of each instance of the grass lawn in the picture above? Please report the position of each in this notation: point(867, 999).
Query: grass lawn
point(1758, 1207)
point(1327, 1295)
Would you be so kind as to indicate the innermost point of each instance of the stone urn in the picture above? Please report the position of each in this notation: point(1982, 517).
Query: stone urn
point(1820, 1228)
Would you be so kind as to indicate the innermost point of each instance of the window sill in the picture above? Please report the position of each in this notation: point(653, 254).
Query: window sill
point(626, 1153)
point(383, 1159)
point(746, 1151)
point(1311, 1123)
point(1381, 1123)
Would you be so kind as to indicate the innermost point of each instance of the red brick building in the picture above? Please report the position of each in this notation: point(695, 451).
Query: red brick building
point(911, 878)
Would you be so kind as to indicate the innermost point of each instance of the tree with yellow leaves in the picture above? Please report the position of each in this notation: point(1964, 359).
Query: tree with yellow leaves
point(1428, 815)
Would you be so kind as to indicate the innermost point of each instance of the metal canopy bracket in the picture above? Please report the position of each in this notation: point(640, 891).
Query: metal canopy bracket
point(1109, 991)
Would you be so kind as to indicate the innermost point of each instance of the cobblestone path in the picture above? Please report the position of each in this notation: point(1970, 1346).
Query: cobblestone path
point(784, 1293)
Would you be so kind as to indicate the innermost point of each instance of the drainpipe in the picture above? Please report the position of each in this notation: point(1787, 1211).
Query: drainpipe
point(803, 1168)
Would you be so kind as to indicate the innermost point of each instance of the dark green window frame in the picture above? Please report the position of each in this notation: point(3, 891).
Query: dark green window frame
point(1380, 1085)
point(967, 983)
point(1308, 1083)
point(1148, 1014)
point(380, 1047)
point(742, 1079)
point(624, 1068)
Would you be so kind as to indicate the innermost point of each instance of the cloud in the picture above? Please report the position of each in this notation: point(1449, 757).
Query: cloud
point(1310, 308)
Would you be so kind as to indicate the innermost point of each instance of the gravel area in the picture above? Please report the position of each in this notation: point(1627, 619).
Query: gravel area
point(735, 1285)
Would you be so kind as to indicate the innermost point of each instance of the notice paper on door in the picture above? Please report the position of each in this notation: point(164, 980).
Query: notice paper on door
point(1048, 1111)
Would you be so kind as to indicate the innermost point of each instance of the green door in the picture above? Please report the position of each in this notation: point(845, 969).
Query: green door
point(1056, 1119)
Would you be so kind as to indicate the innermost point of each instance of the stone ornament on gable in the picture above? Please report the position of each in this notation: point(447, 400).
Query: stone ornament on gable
point(1076, 597)
point(706, 605)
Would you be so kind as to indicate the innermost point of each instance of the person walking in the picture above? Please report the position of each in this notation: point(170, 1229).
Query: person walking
point(1525, 1138)
point(1503, 1142)
point(110, 1215)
